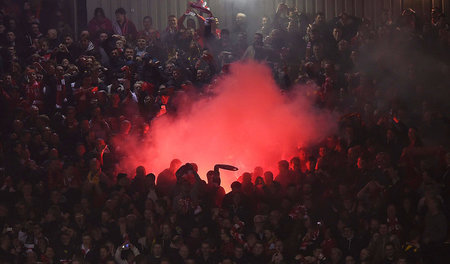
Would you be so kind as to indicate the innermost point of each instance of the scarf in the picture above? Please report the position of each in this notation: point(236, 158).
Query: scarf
point(60, 93)
point(34, 92)
point(121, 30)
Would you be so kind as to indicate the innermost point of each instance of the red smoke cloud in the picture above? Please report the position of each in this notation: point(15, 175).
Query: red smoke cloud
point(247, 123)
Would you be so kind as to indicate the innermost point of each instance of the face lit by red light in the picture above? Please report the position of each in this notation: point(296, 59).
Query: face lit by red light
point(361, 163)
point(81, 150)
point(302, 154)
point(323, 151)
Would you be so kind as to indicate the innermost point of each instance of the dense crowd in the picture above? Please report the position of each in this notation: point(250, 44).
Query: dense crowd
point(377, 191)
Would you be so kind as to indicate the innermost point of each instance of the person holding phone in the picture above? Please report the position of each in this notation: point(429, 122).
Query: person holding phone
point(126, 253)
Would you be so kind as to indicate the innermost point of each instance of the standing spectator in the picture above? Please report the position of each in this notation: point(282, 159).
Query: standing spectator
point(99, 23)
point(123, 26)
point(150, 34)
point(170, 36)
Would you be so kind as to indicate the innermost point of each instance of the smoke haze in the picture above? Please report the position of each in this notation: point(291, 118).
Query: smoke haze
point(247, 123)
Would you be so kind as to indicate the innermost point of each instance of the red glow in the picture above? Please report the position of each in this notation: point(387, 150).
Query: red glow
point(248, 123)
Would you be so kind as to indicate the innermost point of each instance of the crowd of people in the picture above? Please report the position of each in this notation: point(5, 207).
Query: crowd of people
point(376, 192)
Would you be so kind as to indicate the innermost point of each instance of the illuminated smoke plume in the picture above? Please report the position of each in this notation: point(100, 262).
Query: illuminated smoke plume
point(248, 123)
